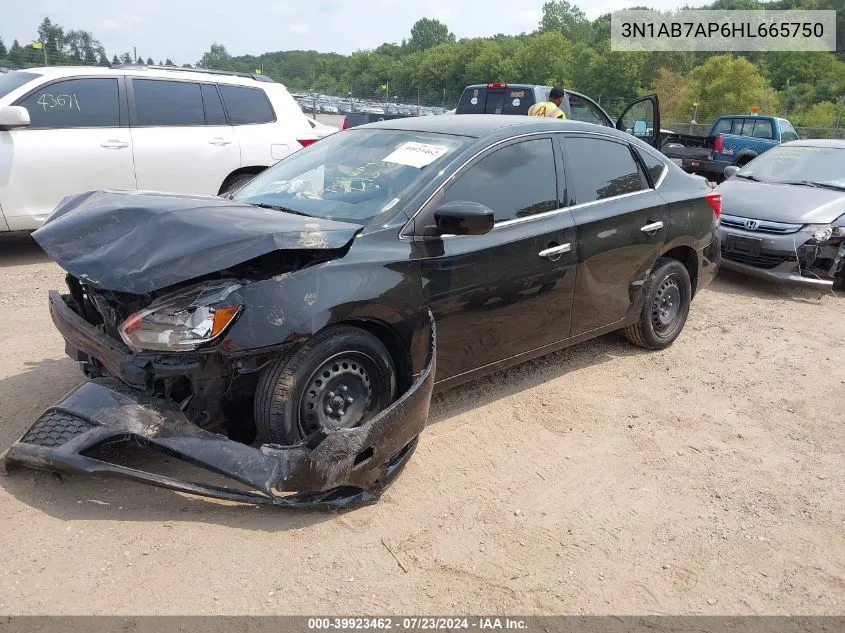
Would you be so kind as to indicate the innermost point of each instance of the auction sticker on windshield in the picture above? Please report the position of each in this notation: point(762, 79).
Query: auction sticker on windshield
point(416, 154)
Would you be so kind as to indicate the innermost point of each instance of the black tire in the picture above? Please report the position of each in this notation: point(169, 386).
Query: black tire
point(233, 183)
point(302, 391)
point(668, 293)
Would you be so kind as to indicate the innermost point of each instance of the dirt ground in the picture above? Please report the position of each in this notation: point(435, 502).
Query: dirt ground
point(706, 479)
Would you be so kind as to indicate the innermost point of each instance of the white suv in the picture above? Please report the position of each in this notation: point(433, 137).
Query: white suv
point(67, 130)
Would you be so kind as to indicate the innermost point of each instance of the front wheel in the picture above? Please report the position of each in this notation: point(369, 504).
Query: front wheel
point(668, 293)
point(340, 378)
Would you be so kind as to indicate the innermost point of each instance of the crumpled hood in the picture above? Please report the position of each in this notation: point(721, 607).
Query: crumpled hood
point(139, 242)
point(791, 204)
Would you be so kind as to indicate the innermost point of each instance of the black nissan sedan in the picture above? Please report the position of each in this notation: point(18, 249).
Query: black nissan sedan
point(290, 336)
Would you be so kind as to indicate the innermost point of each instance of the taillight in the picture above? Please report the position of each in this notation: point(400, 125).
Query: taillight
point(714, 199)
point(305, 142)
point(719, 145)
point(496, 84)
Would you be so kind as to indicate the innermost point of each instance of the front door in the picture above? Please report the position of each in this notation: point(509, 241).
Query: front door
point(509, 291)
point(77, 141)
point(620, 224)
point(642, 119)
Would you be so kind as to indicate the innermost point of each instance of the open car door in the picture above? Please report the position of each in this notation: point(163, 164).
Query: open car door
point(642, 119)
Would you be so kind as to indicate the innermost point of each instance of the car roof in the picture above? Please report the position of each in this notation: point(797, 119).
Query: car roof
point(481, 125)
point(163, 72)
point(816, 142)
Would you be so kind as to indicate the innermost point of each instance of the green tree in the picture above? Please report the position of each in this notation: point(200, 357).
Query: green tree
point(822, 114)
point(169, 62)
point(126, 58)
point(15, 54)
point(3, 51)
point(560, 15)
point(150, 61)
point(427, 33)
point(216, 57)
point(669, 87)
point(725, 84)
point(53, 37)
point(115, 60)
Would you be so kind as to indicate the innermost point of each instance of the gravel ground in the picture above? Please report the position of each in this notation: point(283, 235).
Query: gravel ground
point(705, 479)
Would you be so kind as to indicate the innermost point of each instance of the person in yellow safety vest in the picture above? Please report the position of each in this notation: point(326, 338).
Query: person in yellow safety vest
point(551, 108)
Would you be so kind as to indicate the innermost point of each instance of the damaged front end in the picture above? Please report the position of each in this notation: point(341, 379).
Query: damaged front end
point(336, 468)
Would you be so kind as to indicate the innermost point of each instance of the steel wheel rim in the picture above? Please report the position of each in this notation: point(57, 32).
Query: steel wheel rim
point(341, 393)
point(667, 307)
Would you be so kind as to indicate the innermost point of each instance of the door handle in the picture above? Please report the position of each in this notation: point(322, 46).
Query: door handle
point(114, 143)
point(219, 141)
point(555, 250)
point(651, 228)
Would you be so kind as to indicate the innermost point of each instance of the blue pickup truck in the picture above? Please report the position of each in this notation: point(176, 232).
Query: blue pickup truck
point(733, 139)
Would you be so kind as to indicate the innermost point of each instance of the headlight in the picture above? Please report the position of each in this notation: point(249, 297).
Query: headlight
point(820, 232)
point(182, 321)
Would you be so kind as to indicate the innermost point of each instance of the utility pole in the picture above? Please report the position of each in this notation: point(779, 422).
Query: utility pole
point(444, 99)
point(134, 55)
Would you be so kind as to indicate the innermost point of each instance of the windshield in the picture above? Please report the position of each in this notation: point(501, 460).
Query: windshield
point(823, 166)
point(12, 80)
point(353, 175)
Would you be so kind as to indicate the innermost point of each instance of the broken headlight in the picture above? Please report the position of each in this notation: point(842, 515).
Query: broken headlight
point(820, 232)
point(184, 320)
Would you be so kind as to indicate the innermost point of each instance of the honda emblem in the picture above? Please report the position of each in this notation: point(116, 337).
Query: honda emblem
point(751, 225)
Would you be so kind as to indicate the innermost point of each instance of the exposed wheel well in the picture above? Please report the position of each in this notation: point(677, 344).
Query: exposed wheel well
point(393, 342)
point(243, 171)
point(689, 258)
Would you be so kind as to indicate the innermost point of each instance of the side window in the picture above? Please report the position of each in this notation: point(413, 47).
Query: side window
point(167, 103)
point(601, 169)
point(736, 128)
point(724, 126)
point(787, 132)
point(214, 114)
point(516, 181)
point(246, 105)
point(582, 110)
point(654, 166)
point(763, 129)
point(74, 103)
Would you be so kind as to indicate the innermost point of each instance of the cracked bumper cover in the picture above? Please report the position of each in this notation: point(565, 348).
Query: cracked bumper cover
point(334, 469)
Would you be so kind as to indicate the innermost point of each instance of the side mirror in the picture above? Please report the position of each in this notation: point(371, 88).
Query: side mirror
point(464, 218)
point(731, 170)
point(12, 117)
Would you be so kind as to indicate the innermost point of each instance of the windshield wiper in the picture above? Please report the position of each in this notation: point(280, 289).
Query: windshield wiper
point(821, 185)
point(276, 207)
point(748, 177)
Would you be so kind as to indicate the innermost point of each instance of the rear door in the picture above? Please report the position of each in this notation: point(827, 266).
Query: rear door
point(621, 228)
point(78, 140)
point(510, 291)
point(180, 138)
point(642, 119)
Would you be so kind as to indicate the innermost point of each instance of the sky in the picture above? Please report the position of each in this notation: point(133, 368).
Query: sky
point(184, 30)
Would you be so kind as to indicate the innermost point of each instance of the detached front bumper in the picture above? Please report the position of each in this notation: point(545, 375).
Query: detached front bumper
point(335, 469)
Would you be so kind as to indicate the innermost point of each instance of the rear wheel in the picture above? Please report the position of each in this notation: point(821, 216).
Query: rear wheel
point(668, 293)
point(338, 379)
point(235, 182)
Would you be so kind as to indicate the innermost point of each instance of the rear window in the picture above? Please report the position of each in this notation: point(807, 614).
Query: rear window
point(12, 80)
point(485, 100)
point(246, 105)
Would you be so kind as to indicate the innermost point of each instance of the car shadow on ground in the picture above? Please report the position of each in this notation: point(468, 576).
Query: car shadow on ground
point(730, 282)
point(19, 249)
point(81, 498)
